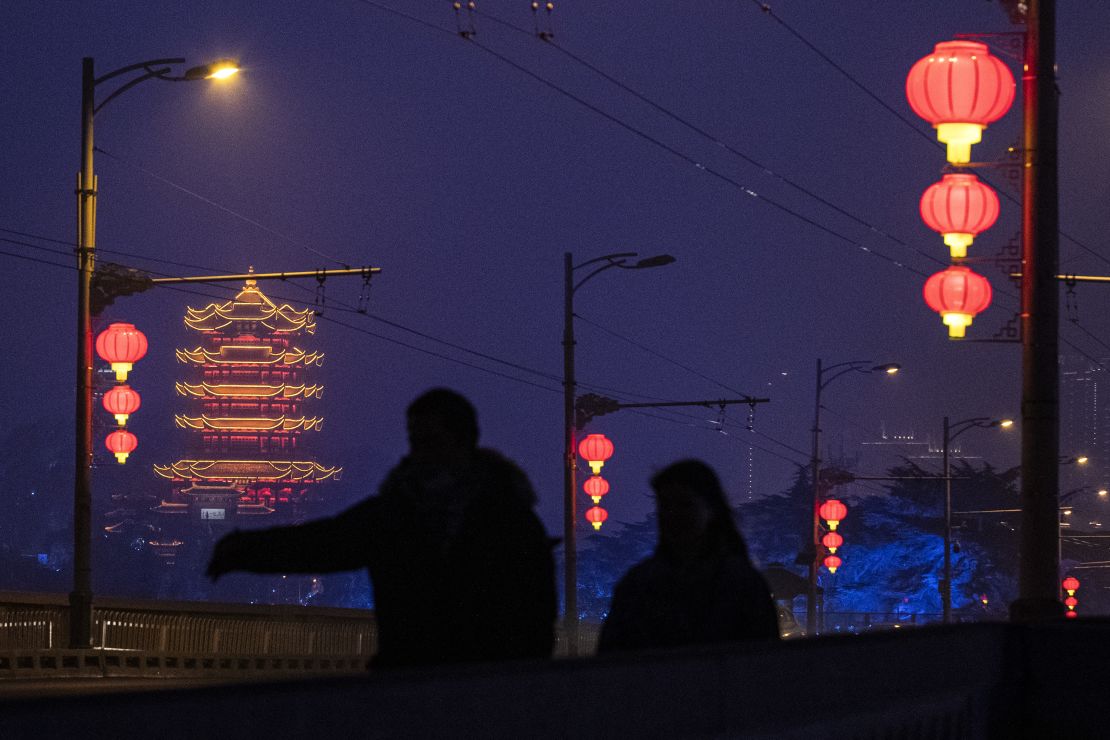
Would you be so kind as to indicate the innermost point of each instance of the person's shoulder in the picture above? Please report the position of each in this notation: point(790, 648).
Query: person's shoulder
point(642, 574)
point(510, 478)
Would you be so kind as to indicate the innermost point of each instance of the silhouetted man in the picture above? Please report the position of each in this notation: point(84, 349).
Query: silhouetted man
point(460, 564)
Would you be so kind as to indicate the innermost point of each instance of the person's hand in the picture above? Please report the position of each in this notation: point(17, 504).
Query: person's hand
point(226, 556)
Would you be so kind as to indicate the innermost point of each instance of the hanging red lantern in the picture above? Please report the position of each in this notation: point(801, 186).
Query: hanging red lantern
point(958, 295)
point(596, 487)
point(596, 448)
point(121, 443)
point(1070, 614)
point(959, 207)
point(1071, 602)
point(122, 345)
point(122, 401)
point(1071, 585)
point(833, 512)
point(595, 515)
point(960, 89)
point(832, 562)
point(832, 540)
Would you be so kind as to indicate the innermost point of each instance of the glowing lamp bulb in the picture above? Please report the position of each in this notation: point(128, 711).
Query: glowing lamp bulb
point(596, 515)
point(122, 345)
point(596, 448)
point(832, 562)
point(958, 295)
point(121, 443)
point(596, 487)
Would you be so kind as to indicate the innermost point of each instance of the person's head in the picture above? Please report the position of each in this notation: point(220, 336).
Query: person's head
point(694, 516)
point(442, 427)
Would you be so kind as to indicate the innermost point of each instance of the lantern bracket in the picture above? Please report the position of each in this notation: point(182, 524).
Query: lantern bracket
point(1004, 43)
point(592, 405)
point(110, 281)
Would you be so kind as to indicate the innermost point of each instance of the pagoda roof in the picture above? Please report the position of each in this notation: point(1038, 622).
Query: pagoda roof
point(254, 510)
point(247, 470)
point(257, 424)
point(249, 354)
point(231, 390)
point(251, 306)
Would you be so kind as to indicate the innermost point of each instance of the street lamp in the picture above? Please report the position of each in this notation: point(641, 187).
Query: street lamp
point(842, 368)
point(570, 552)
point(951, 431)
point(80, 599)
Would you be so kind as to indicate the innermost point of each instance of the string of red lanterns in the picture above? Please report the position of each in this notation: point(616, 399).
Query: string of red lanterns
point(960, 89)
point(1071, 585)
point(833, 512)
point(121, 345)
point(596, 449)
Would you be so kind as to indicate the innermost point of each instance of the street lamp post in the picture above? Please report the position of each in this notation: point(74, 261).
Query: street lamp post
point(80, 598)
point(570, 551)
point(951, 431)
point(859, 366)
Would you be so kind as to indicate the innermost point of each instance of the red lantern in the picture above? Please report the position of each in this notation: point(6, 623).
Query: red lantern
point(1071, 585)
point(959, 207)
point(122, 401)
point(832, 511)
point(121, 443)
point(596, 487)
point(832, 540)
point(958, 295)
point(1070, 614)
point(595, 515)
point(960, 88)
point(832, 562)
point(1071, 602)
point(596, 448)
point(122, 345)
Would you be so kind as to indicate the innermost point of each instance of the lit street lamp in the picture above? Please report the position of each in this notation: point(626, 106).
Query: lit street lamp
point(842, 368)
point(80, 599)
point(570, 449)
point(951, 431)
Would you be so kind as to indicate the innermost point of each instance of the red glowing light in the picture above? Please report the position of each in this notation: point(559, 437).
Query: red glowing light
point(1070, 615)
point(960, 89)
point(833, 512)
point(122, 401)
point(596, 448)
point(596, 487)
point(121, 443)
point(1071, 585)
point(832, 562)
point(1071, 602)
point(595, 515)
point(122, 345)
point(958, 295)
point(959, 207)
point(832, 540)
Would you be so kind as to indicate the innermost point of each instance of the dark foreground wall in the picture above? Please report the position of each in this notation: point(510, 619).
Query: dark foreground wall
point(969, 681)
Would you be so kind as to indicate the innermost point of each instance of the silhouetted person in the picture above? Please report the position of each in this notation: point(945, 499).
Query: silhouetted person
point(460, 565)
point(699, 587)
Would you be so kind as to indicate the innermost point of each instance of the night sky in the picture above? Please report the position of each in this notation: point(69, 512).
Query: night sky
point(357, 136)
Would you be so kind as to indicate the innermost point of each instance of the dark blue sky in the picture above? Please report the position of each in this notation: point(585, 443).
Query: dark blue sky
point(374, 139)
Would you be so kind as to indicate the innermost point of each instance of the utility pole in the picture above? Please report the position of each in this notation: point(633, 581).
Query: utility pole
point(1040, 440)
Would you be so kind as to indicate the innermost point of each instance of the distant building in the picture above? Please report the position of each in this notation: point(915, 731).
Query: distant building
point(1084, 421)
point(248, 397)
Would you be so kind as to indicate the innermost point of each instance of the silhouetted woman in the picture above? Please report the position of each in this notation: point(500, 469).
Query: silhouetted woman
point(699, 587)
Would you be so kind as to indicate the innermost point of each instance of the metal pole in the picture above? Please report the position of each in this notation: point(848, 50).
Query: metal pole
point(946, 587)
point(80, 598)
point(570, 459)
point(1038, 595)
point(815, 534)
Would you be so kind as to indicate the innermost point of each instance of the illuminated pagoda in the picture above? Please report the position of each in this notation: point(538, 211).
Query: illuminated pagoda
point(246, 394)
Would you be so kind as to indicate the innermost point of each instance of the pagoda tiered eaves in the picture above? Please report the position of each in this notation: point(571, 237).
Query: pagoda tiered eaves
point(247, 470)
point(252, 307)
point(249, 354)
point(229, 390)
point(252, 424)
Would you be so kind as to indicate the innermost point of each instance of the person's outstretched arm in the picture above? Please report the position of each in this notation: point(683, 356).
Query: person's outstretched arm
point(342, 542)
